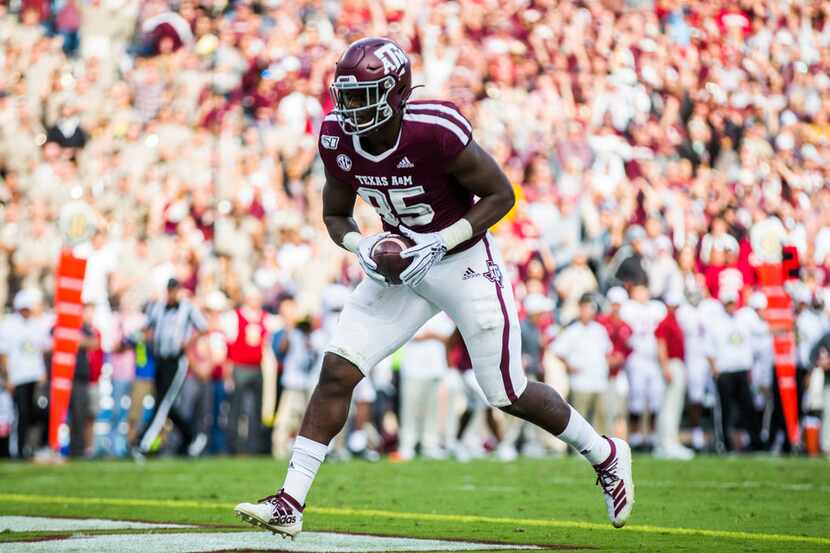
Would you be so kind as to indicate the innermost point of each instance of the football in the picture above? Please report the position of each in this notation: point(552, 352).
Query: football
point(387, 254)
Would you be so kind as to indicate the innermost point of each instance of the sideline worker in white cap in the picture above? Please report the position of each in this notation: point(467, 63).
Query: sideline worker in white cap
point(763, 356)
point(730, 353)
point(584, 347)
point(23, 341)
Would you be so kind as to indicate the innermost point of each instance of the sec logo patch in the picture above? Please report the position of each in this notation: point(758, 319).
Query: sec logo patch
point(344, 162)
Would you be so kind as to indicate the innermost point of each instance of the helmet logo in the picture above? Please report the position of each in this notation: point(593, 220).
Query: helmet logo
point(344, 162)
point(392, 57)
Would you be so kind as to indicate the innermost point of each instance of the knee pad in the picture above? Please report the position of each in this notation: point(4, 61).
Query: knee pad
point(488, 315)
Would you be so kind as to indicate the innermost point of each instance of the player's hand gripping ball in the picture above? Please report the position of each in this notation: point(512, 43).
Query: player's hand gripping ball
point(386, 253)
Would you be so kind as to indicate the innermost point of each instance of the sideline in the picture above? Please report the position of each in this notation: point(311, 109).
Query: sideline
point(347, 512)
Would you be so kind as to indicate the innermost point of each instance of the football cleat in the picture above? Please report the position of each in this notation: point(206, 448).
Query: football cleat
point(279, 513)
point(614, 477)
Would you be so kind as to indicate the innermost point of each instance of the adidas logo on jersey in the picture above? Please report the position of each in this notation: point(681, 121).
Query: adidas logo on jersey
point(469, 273)
point(404, 163)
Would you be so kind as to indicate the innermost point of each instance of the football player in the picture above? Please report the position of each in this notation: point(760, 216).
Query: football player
point(416, 162)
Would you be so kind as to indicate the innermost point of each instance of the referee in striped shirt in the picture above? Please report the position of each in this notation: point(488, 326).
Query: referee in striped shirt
point(172, 325)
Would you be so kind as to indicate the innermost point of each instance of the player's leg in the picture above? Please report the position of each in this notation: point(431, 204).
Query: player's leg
point(374, 323)
point(484, 310)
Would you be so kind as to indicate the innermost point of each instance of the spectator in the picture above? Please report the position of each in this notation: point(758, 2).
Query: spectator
point(730, 354)
point(692, 320)
point(572, 283)
point(423, 367)
point(664, 276)
point(206, 357)
point(299, 360)
point(763, 355)
point(671, 355)
point(67, 23)
point(810, 326)
point(128, 324)
point(538, 308)
point(214, 349)
point(82, 405)
point(821, 359)
point(627, 266)
point(620, 334)
point(646, 384)
point(67, 131)
point(23, 340)
point(172, 326)
point(585, 348)
point(248, 347)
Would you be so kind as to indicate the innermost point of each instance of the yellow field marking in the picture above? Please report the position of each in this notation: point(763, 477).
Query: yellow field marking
point(431, 517)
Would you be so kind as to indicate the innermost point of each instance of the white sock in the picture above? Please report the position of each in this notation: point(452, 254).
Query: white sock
point(581, 436)
point(306, 459)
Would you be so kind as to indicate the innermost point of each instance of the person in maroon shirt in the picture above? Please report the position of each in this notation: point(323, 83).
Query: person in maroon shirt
point(619, 332)
point(670, 354)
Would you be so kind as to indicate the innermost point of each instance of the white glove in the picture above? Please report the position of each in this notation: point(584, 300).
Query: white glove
point(428, 250)
point(364, 257)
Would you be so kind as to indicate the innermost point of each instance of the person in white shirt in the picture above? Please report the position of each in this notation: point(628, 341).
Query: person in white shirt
point(423, 366)
point(763, 355)
point(584, 347)
point(810, 326)
point(691, 318)
point(23, 341)
point(730, 352)
point(646, 384)
point(536, 306)
point(296, 379)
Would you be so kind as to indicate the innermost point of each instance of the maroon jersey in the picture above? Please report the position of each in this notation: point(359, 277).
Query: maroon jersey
point(407, 184)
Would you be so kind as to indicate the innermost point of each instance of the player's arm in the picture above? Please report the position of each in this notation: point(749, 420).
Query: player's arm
point(338, 210)
point(478, 172)
point(338, 216)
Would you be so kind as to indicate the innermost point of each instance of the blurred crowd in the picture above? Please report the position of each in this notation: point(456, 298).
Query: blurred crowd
point(660, 150)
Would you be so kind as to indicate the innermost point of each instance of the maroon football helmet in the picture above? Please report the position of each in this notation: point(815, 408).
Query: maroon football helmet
point(372, 82)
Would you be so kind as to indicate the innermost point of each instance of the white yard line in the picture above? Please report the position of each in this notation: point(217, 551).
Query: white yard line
point(310, 542)
point(48, 524)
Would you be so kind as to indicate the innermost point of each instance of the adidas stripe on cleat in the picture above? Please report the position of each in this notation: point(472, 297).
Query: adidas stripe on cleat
point(279, 513)
point(615, 478)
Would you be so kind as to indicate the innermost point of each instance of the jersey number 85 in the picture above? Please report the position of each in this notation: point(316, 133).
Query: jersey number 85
point(394, 209)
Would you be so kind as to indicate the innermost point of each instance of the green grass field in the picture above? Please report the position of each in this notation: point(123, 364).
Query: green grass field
point(710, 504)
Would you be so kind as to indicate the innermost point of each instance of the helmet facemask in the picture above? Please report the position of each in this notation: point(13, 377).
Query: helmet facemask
point(362, 106)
